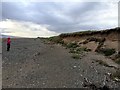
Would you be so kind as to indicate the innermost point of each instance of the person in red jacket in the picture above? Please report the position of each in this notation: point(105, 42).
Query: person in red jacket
point(8, 43)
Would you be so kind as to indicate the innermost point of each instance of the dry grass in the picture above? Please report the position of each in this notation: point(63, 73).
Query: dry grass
point(102, 63)
point(56, 39)
point(76, 56)
point(89, 32)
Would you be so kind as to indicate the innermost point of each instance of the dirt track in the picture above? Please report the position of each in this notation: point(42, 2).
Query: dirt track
point(33, 64)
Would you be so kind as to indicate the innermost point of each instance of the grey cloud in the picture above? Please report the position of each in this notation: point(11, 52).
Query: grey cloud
point(79, 10)
point(0, 11)
point(61, 17)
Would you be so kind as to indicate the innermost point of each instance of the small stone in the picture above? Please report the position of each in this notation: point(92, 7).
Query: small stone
point(38, 53)
point(98, 73)
point(43, 83)
point(109, 74)
point(20, 69)
point(81, 75)
point(117, 79)
point(16, 84)
point(74, 66)
point(64, 86)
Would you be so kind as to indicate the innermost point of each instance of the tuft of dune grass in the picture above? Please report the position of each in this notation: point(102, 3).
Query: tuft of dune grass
point(76, 56)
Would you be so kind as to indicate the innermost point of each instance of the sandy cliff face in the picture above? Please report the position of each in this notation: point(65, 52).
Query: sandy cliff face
point(111, 37)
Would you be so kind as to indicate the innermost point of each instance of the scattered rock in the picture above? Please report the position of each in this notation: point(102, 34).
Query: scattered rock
point(93, 86)
point(20, 70)
point(16, 84)
point(74, 66)
point(117, 79)
point(64, 86)
point(43, 83)
point(7, 78)
point(25, 48)
point(38, 53)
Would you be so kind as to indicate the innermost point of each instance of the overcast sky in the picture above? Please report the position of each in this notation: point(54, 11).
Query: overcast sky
point(44, 19)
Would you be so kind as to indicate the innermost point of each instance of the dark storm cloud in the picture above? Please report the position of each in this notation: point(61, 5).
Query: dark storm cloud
point(60, 16)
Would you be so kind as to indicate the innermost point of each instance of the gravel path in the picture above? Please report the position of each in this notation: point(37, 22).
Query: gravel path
point(34, 64)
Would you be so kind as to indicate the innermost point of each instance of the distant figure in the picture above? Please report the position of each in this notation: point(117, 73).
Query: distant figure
point(8, 44)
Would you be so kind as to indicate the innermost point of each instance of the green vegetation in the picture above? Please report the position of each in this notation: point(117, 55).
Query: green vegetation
point(107, 51)
point(76, 56)
point(82, 49)
point(103, 63)
point(116, 76)
point(72, 51)
point(78, 50)
point(77, 33)
point(118, 61)
point(56, 39)
point(72, 45)
point(89, 32)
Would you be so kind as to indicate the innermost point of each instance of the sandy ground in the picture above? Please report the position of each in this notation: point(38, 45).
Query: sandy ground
point(31, 63)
